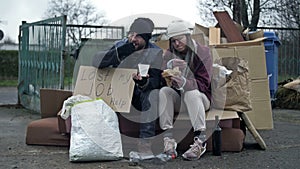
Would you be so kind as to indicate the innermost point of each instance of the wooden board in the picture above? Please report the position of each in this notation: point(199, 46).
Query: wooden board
point(253, 131)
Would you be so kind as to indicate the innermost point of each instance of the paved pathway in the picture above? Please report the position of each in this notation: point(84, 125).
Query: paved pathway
point(8, 95)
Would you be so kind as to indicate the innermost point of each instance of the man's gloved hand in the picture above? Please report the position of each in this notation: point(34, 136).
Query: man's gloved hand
point(141, 82)
point(125, 50)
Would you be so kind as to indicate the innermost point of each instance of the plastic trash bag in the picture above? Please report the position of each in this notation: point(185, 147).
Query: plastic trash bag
point(95, 134)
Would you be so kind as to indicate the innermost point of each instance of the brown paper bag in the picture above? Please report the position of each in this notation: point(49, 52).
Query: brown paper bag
point(232, 92)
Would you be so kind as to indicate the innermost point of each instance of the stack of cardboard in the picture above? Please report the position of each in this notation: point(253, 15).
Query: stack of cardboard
point(253, 51)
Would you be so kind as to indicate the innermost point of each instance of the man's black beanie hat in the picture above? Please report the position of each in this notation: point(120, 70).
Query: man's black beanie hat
point(143, 27)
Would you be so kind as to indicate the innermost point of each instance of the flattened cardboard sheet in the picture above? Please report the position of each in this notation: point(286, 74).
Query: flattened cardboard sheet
point(113, 85)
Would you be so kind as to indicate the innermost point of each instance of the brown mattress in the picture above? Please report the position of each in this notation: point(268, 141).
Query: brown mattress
point(45, 132)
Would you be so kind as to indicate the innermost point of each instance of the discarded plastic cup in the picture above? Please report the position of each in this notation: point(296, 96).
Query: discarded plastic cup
point(143, 69)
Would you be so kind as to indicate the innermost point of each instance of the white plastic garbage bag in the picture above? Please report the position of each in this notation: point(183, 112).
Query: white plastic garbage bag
point(70, 102)
point(95, 134)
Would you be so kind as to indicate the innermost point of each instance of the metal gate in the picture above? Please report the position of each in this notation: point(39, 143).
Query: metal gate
point(41, 63)
point(46, 54)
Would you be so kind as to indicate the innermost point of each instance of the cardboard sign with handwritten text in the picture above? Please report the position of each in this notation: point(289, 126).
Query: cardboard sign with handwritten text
point(113, 85)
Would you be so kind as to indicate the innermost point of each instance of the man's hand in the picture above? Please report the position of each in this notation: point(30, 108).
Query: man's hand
point(125, 50)
point(138, 79)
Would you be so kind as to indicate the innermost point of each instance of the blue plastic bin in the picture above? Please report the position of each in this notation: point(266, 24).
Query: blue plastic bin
point(271, 49)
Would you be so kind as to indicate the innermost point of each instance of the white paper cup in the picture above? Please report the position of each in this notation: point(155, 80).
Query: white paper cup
point(143, 69)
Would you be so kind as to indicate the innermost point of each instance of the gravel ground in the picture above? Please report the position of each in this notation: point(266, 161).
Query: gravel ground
point(283, 147)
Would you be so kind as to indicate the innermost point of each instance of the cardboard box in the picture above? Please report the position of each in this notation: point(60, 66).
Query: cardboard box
point(163, 44)
point(256, 34)
point(113, 85)
point(261, 114)
point(254, 52)
point(228, 118)
point(214, 36)
point(223, 114)
point(198, 29)
point(255, 55)
point(51, 104)
point(51, 101)
point(64, 126)
point(259, 89)
point(255, 42)
point(201, 38)
point(210, 115)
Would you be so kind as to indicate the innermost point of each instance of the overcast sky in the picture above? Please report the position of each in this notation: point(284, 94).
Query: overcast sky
point(13, 12)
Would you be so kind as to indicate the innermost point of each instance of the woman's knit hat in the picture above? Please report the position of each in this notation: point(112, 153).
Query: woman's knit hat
point(177, 27)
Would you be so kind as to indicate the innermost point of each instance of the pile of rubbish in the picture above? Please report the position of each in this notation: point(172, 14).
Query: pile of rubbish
point(288, 94)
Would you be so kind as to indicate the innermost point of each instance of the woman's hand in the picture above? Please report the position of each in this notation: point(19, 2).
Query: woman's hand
point(181, 64)
point(178, 81)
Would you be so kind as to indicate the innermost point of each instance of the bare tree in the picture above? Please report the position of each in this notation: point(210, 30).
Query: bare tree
point(79, 12)
point(288, 10)
point(240, 10)
point(205, 9)
point(250, 13)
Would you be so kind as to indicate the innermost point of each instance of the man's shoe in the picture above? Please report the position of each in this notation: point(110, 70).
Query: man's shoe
point(170, 146)
point(196, 151)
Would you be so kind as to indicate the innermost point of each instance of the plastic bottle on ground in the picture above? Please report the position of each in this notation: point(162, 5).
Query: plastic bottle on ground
point(165, 157)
